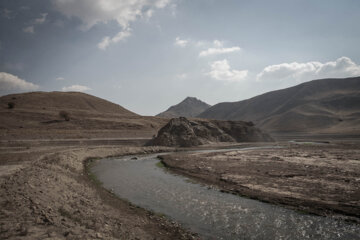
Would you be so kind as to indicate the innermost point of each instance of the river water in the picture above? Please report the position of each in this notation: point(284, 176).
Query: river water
point(208, 212)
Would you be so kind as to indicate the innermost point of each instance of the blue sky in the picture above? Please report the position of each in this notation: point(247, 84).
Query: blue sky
point(149, 54)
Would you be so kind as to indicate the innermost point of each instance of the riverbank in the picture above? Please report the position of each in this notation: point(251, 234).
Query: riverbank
point(46, 194)
point(322, 179)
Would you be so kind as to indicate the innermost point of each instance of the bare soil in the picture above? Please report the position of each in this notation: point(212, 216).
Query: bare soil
point(322, 179)
point(46, 194)
point(36, 116)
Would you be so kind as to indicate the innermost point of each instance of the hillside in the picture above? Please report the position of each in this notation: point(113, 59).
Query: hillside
point(36, 115)
point(329, 106)
point(189, 107)
point(53, 101)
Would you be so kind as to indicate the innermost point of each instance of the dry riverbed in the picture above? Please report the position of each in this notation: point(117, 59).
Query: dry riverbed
point(323, 179)
point(47, 194)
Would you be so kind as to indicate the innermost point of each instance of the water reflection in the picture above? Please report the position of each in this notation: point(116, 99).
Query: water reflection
point(212, 214)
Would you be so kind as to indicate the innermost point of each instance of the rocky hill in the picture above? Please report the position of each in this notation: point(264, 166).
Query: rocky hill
point(186, 133)
point(189, 107)
point(36, 115)
point(320, 106)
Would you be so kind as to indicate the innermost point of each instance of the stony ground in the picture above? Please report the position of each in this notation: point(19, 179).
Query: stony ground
point(319, 178)
point(46, 194)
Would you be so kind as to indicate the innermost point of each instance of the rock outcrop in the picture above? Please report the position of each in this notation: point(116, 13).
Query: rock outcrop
point(186, 133)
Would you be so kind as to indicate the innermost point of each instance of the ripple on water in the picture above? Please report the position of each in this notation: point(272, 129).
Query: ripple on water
point(209, 212)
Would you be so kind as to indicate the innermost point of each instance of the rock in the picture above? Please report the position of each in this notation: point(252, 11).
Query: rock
point(51, 234)
point(187, 133)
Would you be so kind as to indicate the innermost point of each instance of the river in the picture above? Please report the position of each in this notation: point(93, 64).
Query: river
point(209, 212)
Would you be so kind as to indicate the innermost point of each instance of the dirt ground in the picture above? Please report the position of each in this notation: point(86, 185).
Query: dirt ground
point(46, 194)
point(322, 179)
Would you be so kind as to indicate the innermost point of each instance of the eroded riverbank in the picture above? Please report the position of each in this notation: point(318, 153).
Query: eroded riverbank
point(322, 179)
point(45, 194)
point(208, 211)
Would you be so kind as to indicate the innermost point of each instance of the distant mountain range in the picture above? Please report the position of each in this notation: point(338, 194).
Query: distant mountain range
point(329, 106)
point(189, 107)
point(318, 106)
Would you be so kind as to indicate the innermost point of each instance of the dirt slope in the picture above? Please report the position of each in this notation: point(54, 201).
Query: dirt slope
point(36, 115)
point(189, 107)
point(322, 106)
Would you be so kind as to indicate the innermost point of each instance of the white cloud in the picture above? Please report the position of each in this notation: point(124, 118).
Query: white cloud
point(149, 13)
point(217, 51)
point(60, 79)
point(120, 36)
point(217, 48)
point(181, 76)
point(181, 42)
point(92, 12)
point(29, 29)
point(76, 88)
point(37, 21)
point(300, 72)
point(221, 70)
point(218, 43)
point(10, 83)
point(161, 3)
point(41, 19)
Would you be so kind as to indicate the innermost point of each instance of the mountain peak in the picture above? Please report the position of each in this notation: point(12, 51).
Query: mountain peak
point(191, 98)
point(189, 107)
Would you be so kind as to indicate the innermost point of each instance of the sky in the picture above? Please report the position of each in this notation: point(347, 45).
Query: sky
point(147, 55)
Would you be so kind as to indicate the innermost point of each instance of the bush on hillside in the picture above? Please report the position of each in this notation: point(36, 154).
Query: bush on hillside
point(11, 105)
point(65, 115)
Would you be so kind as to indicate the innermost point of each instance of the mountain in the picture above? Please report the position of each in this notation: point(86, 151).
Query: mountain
point(189, 107)
point(329, 106)
point(37, 115)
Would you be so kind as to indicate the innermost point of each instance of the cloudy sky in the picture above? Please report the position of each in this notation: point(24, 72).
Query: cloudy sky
point(149, 54)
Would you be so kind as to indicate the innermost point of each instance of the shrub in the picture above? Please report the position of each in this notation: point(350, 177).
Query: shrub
point(65, 115)
point(250, 124)
point(11, 105)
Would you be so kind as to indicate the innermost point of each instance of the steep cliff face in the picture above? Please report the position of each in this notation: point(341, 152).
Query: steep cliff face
point(186, 133)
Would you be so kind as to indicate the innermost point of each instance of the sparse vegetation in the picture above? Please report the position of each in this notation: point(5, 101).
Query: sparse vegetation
point(160, 164)
point(88, 165)
point(63, 212)
point(65, 115)
point(11, 105)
